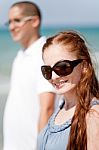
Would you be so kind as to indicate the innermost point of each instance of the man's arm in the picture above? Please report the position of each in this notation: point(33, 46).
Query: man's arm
point(47, 101)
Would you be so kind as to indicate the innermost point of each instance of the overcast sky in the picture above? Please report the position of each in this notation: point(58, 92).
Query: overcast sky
point(61, 12)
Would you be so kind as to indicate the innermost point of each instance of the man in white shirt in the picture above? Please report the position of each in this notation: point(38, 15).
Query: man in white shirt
point(31, 98)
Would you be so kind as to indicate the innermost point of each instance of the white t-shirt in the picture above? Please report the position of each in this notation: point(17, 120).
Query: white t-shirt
point(22, 107)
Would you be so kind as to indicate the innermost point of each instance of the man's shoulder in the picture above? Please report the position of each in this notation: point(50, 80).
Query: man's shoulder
point(35, 49)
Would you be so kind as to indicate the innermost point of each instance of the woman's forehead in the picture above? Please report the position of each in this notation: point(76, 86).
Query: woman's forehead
point(56, 53)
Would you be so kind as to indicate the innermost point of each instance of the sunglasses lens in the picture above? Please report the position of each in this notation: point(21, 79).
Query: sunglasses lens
point(47, 72)
point(63, 68)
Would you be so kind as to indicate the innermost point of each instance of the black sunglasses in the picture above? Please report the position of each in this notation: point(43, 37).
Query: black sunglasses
point(61, 68)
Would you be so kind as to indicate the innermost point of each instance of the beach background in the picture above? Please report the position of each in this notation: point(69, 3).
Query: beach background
point(8, 50)
point(79, 15)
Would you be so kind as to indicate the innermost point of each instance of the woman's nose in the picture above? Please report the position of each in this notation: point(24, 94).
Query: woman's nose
point(54, 75)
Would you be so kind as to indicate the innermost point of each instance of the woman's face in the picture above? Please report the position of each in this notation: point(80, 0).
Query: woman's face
point(63, 84)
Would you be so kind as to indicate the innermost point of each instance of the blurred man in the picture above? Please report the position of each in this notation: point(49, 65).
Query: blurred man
point(31, 99)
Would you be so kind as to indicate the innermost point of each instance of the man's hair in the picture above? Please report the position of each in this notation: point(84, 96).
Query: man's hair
point(29, 8)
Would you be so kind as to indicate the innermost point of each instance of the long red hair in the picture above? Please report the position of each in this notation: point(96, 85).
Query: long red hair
point(87, 89)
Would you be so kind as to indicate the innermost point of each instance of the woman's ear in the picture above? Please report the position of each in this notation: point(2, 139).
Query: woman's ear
point(85, 70)
point(84, 66)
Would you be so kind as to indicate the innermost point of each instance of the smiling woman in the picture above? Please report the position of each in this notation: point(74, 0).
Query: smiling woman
point(70, 70)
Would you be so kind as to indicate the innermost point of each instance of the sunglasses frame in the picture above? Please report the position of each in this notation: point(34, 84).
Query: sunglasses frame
point(20, 21)
point(47, 70)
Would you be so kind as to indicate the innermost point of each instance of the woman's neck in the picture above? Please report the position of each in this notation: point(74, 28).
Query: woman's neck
point(70, 100)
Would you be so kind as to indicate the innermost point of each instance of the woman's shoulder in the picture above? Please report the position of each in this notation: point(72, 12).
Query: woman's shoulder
point(95, 105)
point(93, 113)
point(92, 121)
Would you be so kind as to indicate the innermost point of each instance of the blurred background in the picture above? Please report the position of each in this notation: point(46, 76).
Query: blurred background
point(79, 15)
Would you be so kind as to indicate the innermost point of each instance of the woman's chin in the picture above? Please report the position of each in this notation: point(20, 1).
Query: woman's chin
point(65, 89)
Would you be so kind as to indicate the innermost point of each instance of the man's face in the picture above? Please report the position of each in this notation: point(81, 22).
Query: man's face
point(20, 26)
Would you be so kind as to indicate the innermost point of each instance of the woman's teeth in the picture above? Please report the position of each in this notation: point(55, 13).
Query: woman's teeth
point(59, 84)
